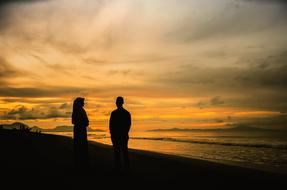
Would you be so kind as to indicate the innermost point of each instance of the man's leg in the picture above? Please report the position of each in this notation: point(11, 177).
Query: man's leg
point(126, 154)
point(117, 155)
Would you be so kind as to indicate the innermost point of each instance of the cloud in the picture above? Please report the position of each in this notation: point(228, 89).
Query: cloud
point(216, 101)
point(16, 1)
point(5, 9)
point(267, 1)
point(266, 72)
point(254, 82)
point(65, 106)
point(275, 122)
point(95, 34)
point(229, 20)
point(70, 92)
point(41, 92)
point(119, 72)
point(213, 102)
point(206, 50)
point(7, 71)
point(34, 100)
point(46, 111)
point(202, 104)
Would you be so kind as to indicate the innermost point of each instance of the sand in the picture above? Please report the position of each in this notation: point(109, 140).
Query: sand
point(37, 159)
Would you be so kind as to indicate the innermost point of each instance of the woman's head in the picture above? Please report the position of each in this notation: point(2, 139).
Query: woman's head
point(77, 109)
point(79, 102)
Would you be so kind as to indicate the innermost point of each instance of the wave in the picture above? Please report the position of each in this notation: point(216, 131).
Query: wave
point(254, 145)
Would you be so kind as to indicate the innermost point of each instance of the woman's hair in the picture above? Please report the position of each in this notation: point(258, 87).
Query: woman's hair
point(77, 105)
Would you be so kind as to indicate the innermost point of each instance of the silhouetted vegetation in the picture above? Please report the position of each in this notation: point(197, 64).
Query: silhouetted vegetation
point(22, 127)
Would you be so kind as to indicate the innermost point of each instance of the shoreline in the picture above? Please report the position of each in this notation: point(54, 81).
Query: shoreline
point(224, 162)
point(255, 166)
point(40, 155)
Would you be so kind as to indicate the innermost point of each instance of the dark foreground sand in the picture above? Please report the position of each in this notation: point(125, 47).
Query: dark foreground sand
point(41, 160)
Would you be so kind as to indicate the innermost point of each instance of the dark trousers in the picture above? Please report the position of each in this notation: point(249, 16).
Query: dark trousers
point(120, 145)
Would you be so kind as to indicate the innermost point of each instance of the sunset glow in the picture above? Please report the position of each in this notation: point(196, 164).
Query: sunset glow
point(181, 64)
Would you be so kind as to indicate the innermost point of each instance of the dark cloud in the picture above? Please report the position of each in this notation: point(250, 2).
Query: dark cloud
point(219, 120)
point(259, 99)
point(265, 72)
point(65, 106)
point(62, 92)
point(257, 83)
point(202, 104)
point(33, 100)
point(274, 122)
point(119, 72)
point(232, 19)
point(5, 2)
point(56, 113)
point(5, 9)
point(133, 59)
point(251, 74)
point(40, 92)
point(267, 1)
point(47, 111)
point(7, 71)
point(216, 101)
point(20, 112)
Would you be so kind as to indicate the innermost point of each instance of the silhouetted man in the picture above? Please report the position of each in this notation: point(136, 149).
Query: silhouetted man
point(120, 123)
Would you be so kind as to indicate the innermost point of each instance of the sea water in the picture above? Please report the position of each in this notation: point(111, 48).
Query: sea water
point(267, 151)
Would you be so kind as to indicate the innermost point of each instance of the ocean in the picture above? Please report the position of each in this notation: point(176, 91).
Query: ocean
point(264, 151)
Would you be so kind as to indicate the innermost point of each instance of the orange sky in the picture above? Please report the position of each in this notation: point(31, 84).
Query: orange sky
point(193, 64)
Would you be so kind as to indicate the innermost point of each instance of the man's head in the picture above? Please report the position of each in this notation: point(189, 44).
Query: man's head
point(120, 102)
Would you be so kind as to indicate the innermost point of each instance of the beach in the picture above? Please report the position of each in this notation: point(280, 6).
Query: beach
point(46, 159)
point(254, 149)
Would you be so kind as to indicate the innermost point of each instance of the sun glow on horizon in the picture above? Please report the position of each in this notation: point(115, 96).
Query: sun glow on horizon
point(174, 65)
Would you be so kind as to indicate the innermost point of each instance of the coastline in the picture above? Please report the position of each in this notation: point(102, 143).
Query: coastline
point(44, 155)
point(135, 143)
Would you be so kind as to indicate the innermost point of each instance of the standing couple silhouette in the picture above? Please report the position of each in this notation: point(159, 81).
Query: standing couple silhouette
point(119, 126)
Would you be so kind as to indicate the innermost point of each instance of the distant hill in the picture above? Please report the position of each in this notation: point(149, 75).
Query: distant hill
point(15, 125)
point(65, 128)
point(238, 128)
point(173, 129)
point(62, 128)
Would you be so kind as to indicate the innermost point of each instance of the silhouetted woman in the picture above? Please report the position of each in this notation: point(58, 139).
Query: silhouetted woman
point(81, 122)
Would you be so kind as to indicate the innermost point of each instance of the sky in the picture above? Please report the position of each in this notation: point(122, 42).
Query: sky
point(178, 63)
